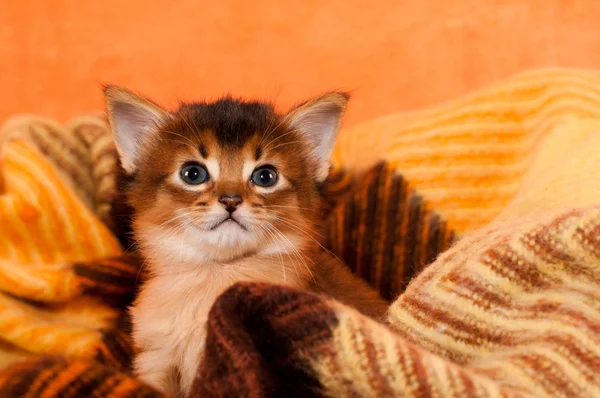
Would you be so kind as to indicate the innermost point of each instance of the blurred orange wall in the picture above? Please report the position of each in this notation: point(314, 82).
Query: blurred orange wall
point(392, 54)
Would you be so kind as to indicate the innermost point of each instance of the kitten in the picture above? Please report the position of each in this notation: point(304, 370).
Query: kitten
point(223, 192)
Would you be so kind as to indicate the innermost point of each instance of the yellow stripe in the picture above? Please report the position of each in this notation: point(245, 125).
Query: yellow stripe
point(493, 133)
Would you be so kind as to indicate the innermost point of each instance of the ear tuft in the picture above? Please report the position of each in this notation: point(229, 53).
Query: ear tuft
point(131, 118)
point(319, 120)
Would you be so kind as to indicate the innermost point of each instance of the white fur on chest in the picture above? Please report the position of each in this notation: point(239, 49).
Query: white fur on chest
point(169, 317)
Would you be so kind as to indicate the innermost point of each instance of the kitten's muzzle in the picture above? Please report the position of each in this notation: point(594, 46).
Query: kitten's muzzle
point(230, 202)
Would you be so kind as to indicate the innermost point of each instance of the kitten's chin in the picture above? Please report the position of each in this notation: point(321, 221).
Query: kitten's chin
point(170, 249)
point(190, 246)
point(229, 225)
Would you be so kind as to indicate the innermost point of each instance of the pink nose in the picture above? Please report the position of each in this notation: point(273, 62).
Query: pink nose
point(231, 202)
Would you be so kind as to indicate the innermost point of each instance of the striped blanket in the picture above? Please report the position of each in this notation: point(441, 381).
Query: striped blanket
point(479, 221)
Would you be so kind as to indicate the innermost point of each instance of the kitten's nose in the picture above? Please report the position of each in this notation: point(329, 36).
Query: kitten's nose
point(231, 202)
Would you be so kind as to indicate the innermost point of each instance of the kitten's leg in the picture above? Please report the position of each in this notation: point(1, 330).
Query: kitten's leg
point(335, 279)
point(154, 369)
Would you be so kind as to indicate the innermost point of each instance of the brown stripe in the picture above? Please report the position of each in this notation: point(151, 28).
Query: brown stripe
point(89, 134)
point(70, 374)
point(102, 272)
point(377, 381)
point(416, 356)
point(111, 268)
point(118, 347)
point(424, 222)
point(340, 230)
point(423, 339)
point(415, 220)
point(392, 260)
point(543, 246)
point(104, 280)
point(65, 143)
point(108, 152)
point(106, 384)
point(81, 180)
point(547, 374)
point(455, 383)
point(555, 311)
point(589, 238)
point(95, 287)
point(349, 232)
point(84, 384)
point(331, 237)
point(501, 302)
point(379, 237)
point(369, 230)
point(469, 386)
point(590, 362)
point(104, 356)
point(42, 379)
point(125, 263)
point(356, 226)
point(474, 334)
point(400, 236)
point(439, 238)
point(503, 260)
point(474, 287)
point(400, 348)
point(330, 355)
point(432, 238)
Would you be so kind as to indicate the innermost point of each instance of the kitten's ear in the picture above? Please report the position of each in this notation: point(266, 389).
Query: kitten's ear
point(319, 120)
point(131, 118)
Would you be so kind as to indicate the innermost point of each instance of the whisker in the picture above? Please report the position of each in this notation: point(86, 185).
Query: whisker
point(189, 213)
point(286, 143)
point(272, 233)
point(267, 129)
point(273, 130)
point(310, 237)
point(295, 251)
point(275, 139)
point(279, 213)
point(288, 207)
point(299, 228)
point(272, 239)
point(185, 119)
point(190, 143)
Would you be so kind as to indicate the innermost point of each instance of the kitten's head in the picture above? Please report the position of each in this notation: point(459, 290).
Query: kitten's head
point(216, 181)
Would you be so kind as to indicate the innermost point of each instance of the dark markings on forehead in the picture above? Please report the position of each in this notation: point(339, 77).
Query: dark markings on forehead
point(258, 152)
point(233, 121)
point(203, 151)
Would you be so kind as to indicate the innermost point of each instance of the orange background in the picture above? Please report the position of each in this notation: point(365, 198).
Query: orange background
point(392, 54)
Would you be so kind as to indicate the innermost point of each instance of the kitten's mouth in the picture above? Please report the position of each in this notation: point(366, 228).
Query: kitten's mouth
point(229, 220)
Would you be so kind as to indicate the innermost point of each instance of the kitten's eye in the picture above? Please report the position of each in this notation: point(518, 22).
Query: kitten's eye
point(264, 177)
point(194, 174)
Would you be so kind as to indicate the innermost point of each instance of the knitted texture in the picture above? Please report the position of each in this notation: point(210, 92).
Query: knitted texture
point(468, 157)
point(382, 229)
point(63, 277)
point(45, 230)
point(82, 153)
point(511, 309)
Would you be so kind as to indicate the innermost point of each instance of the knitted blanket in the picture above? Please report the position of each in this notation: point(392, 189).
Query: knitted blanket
point(509, 175)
